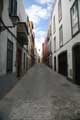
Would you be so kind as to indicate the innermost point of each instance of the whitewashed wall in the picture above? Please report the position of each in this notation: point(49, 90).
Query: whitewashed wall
point(4, 36)
point(66, 22)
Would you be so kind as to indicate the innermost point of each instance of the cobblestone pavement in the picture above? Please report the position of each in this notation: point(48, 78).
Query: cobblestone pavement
point(41, 95)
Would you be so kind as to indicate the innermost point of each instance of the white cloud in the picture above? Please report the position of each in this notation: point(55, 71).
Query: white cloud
point(40, 33)
point(39, 45)
point(40, 37)
point(48, 4)
point(36, 13)
point(44, 1)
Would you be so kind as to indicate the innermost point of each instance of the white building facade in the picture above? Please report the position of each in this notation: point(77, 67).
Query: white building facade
point(13, 41)
point(66, 38)
point(8, 40)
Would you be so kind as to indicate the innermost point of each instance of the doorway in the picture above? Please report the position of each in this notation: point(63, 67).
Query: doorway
point(62, 63)
point(55, 63)
point(76, 63)
point(19, 62)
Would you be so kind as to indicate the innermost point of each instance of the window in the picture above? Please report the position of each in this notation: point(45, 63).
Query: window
point(54, 44)
point(74, 18)
point(50, 47)
point(1, 7)
point(9, 56)
point(61, 36)
point(54, 25)
point(12, 7)
point(59, 10)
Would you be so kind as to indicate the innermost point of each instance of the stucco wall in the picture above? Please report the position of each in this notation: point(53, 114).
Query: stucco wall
point(4, 36)
point(68, 41)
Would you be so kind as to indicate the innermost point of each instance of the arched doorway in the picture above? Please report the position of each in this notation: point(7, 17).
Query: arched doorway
point(76, 63)
point(62, 63)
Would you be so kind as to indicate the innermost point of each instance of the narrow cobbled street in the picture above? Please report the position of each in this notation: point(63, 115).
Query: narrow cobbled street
point(41, 95)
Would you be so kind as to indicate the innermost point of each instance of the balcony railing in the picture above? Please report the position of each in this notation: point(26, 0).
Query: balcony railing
point(22, 33)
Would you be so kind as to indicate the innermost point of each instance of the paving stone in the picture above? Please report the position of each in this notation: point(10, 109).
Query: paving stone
point(41, 95)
